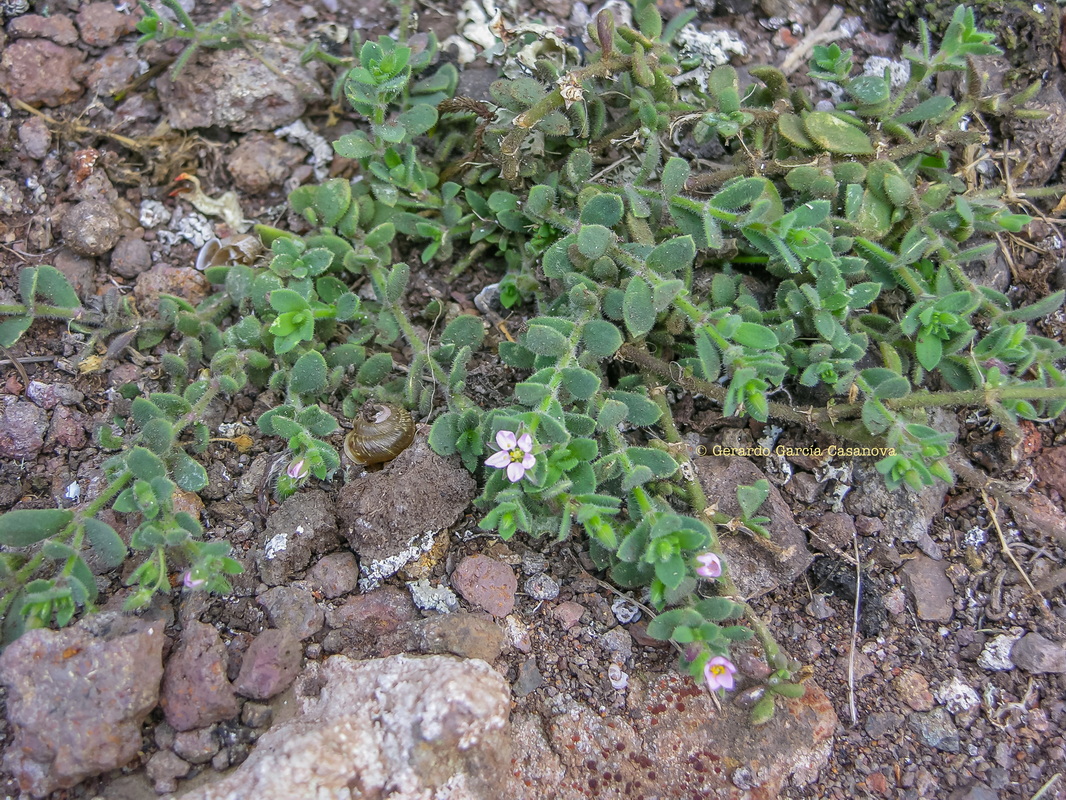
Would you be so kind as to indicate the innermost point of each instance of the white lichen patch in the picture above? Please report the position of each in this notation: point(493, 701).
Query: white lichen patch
point(277, 543)
point(996, 655)
point(321, 150)
point(713, 48)
point(899, 72)
point(433, 598)
point(153, 214)
point(956, 696)
point(374, 572)
point(193, 227)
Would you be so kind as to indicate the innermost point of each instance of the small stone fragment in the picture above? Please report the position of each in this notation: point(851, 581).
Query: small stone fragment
point(302, 527)
point(882, 723)
point(22, 429)
point(261, 161)
point(936, 729)
point(485, 582)
point(293, 608)
point(131, 257)
point(913, 689)
point(35, 137)
point(433, 598)
point(1038, 655)
point(164, 768)
point(542, 587)
point(101, 24)
point(529, 678)
point(568, 614)
point(461, 634)
point(257, 715)
point(335, 575)
point(957, 697)
point(57, 28)
point(996, 655)
point(198, 746)
point(76, 699)
point(270, 665)
point(929, 586)
point(183, 282)
point(91, 228)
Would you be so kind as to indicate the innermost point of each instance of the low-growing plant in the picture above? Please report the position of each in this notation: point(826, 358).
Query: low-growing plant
point(826, 256)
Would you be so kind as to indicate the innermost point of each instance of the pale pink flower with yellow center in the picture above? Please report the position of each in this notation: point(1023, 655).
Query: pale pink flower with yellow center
point(516, 455)
point(719, 674)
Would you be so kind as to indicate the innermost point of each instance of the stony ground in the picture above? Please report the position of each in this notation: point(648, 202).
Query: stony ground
point(948, 682)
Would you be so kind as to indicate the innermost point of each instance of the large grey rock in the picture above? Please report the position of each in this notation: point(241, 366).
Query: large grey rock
point(77, 698)
point(755, 567)
point(235, 89)
point(405, 728)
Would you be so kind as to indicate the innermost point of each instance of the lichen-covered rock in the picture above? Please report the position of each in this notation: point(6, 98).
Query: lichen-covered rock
point(390, 517)
point(302, 527)
point(405, 728)
point(235, 89)
point(77, 698)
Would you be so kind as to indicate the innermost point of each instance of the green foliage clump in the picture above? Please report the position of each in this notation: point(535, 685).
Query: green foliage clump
point(827, 256)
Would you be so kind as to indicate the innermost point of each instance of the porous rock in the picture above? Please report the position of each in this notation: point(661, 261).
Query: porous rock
point(77, 698)
point(754, 568)
point(38, 71)
point(487, 583)
point(674, 743)
point(261, 161)
point(237, 90)
point(406, 728)
point(461, 634)
point(390, 517)
point(372, 624)
point(91, 228)
point(22, 429)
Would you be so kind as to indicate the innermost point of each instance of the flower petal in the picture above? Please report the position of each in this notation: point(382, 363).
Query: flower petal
point(525, 441)
point(499, 460)
point(528, 461)
point(515, 471)
point(505, 440)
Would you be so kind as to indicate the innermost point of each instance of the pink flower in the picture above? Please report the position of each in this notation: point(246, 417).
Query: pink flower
point(297, 470)
point(191, 582)
point(516, 455)
point(710, 565)
point(719, 674)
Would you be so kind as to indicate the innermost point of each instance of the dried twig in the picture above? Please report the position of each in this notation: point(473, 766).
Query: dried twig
point(994, 511)
point(823, 33)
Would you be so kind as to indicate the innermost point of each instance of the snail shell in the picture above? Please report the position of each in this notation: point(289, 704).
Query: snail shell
point(379, 433)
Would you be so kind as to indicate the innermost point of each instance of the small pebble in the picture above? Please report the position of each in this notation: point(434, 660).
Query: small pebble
point(91, 228)
point(625, 610)
point(542, 587)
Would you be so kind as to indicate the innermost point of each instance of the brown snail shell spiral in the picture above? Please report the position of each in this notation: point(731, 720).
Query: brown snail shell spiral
point(380, 432)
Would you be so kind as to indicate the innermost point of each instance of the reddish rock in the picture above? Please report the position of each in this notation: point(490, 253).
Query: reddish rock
point(486, 583)
point(334, 575)
point(1051, 468)
point(568, 614)
point(78, 270)
point(101, 24)
point(195, 690)
point(913, 689)
point(184, 282)
point(370, 624)
point(293, 608)
point(68, 429)
point(37, 71)
point(56, 28)
point(131, 257)
point(109, 72)
point(261, 161)
point(77, 699)
point(270, 665)
point(22, 429)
